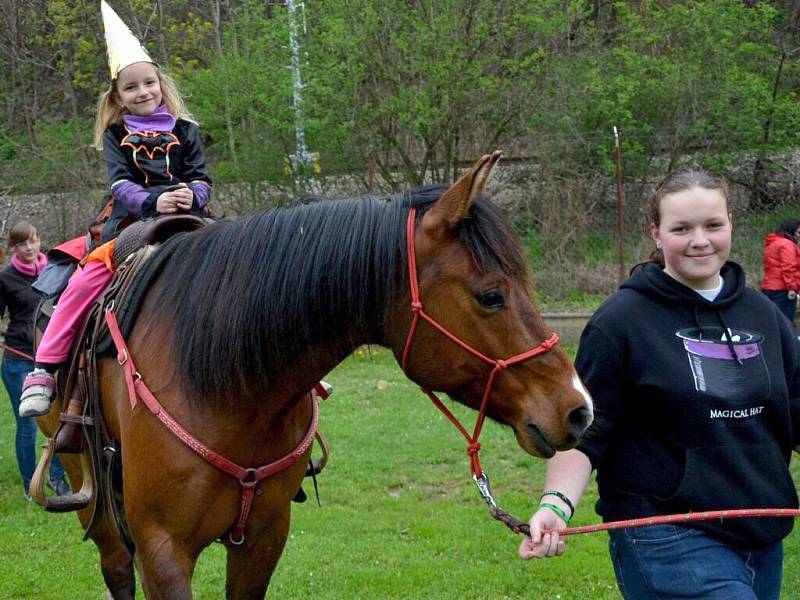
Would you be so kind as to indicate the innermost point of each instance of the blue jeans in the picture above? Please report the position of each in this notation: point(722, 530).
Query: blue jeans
point(785, 305)
point(673, 562)
point(13, 373)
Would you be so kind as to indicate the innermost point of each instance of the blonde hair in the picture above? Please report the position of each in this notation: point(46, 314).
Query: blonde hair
point(110, 109)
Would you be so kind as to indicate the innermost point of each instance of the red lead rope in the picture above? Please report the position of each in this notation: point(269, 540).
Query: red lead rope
point(249, 478)
point(17, 352)
point(710, 515)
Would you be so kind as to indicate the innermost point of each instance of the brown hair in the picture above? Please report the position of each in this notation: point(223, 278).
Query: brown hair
point(789, 227)
point(676, 182)
point(21, 232)
point(110, 109)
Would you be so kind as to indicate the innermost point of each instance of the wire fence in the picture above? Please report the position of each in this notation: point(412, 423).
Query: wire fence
point(577, 241)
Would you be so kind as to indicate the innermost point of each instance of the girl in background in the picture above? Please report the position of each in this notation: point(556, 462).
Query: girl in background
point(782, 267)
point(20, 300)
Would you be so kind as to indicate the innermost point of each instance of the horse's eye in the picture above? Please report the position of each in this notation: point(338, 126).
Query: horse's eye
point(491, 299)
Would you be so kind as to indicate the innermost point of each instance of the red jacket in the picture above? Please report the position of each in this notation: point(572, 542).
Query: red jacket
point(781, 263)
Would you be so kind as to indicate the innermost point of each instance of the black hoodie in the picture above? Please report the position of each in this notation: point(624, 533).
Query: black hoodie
point(688, 418)
point(21, 300)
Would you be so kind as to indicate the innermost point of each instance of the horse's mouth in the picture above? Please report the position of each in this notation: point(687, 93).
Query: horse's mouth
point(536, 438)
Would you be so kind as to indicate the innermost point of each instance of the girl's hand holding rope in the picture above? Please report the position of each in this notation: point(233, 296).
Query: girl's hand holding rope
point(544, 540)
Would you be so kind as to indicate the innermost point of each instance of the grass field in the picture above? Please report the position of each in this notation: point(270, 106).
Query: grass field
point(400, 517)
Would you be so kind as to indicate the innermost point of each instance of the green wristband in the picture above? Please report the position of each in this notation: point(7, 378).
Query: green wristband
point(563, 498)
point(556, 509)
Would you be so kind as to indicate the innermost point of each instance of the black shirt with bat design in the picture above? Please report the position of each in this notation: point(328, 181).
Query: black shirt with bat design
point(158, 161)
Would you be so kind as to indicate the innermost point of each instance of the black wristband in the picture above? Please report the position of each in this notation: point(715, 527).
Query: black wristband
point(562, 497)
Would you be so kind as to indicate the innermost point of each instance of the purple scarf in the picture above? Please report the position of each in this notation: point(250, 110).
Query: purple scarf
point(30, 269)
point(159, 120)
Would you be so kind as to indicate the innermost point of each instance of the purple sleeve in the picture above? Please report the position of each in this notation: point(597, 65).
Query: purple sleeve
point(201, 191)
point(132, 195)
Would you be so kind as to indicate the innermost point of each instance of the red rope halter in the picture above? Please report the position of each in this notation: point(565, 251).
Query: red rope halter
point(499, 364)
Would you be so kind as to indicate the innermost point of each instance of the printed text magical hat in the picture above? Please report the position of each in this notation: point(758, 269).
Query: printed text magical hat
point(123, 47)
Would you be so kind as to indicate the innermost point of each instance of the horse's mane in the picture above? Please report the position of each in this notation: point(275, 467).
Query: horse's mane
point(246, 296)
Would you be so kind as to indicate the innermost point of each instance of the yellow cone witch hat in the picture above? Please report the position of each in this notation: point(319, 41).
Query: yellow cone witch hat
point(123, 47)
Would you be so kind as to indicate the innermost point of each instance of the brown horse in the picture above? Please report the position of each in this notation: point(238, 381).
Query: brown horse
point(250, 314)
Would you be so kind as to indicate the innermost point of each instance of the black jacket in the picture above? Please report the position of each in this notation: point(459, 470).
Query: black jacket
point(21, 300)
point(687, 418)
point(157, 162)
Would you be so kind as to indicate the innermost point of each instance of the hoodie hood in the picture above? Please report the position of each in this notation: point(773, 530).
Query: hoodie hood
point(651, 280)
point(775, 236)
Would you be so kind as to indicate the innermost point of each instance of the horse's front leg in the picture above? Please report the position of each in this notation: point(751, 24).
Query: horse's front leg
point(251, 564)
point(165, 565)
point(167, 544)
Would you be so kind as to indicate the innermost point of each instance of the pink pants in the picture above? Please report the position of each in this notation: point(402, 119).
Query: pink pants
point(83, 288)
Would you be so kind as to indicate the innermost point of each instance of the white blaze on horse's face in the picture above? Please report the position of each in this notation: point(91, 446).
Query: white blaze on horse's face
point(578, 384)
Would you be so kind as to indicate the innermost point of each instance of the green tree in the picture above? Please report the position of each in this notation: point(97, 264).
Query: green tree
point(679, 79)
point(420, 87)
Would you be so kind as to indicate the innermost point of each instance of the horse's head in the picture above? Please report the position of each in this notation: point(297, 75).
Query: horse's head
point(473, 281)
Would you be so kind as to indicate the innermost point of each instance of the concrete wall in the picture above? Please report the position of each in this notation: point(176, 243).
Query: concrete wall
point(568, 326)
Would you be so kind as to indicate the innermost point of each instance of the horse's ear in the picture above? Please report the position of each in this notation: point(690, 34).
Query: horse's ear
point(453, 206)
point(488, 169)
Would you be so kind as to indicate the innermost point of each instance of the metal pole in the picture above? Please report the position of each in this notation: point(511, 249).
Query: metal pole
point(620, 208)
point(302, 159)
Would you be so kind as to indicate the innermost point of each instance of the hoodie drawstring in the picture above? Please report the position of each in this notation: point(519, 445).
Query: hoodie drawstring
point(726, 332)
point(696, 315)
point(727, 335)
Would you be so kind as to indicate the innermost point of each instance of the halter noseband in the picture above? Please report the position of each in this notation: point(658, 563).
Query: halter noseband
point(499, 364)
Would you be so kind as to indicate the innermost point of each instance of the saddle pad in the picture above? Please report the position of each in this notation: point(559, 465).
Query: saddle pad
point(127, 308)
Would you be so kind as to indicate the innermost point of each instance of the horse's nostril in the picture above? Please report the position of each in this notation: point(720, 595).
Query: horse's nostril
point(578, 420)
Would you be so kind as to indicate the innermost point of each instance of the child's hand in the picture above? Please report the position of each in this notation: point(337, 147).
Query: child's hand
point(544, 541)
point(176, 200)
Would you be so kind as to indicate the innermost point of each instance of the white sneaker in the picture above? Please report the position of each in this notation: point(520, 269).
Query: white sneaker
point(37, 393)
